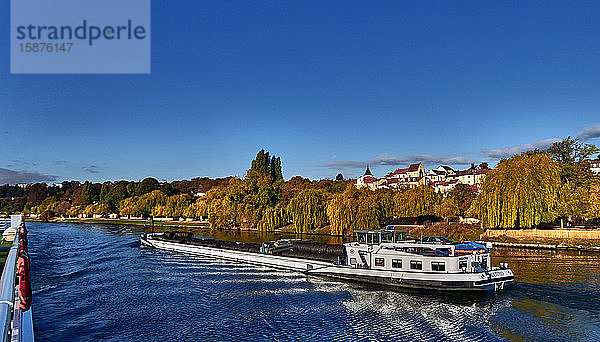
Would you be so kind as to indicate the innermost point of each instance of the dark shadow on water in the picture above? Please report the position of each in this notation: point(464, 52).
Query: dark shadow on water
point(452, 297)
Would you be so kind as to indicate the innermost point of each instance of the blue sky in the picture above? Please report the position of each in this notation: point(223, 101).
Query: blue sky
point(328, 86)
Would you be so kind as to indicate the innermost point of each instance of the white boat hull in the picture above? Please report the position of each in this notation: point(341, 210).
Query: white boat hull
point(482, 281)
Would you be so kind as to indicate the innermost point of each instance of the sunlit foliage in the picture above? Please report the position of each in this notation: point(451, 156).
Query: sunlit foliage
point(520, 192)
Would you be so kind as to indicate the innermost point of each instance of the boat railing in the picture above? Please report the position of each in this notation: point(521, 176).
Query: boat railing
point(16, 325)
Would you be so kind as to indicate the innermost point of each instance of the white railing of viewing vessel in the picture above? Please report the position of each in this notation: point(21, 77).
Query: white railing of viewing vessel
point(15, 325)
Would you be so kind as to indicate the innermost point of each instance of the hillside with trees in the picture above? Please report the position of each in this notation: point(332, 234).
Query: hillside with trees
point(525, 190)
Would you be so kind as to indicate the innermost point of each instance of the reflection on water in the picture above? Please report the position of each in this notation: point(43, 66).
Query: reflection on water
point(223, 234)
point(95, 283)
point(573, 268)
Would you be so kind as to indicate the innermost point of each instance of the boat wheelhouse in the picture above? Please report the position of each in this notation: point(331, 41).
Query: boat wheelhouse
point(391, 250)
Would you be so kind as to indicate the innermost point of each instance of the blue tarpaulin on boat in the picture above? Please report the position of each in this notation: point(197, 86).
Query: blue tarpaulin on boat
point(471, 246)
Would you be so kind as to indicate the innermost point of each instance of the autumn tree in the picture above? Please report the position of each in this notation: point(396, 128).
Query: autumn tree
point(352, 210)
point(148, 201)
point(129, 207)
point(521, 191)
point(594, 204)
point(273, 217)
point(37, 193)
point(458, 201)
point(421, 200)
point(176, 205)
point(572, 202)
point(197, 209)
point(308, 210)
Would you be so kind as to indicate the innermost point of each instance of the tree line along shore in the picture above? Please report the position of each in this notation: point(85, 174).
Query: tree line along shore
point(532, 189)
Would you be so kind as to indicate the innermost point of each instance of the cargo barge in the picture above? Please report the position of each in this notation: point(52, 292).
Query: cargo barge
point(383, 257)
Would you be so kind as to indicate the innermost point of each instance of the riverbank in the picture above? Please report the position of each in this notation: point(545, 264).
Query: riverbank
point(129, 222)
point(556, 239)
point(174, 224)
point(454, 231)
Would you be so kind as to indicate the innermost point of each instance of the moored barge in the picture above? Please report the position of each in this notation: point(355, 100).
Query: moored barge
point(384, 257)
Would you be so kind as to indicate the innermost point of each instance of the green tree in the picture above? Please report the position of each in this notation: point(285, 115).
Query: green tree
point(104, 190)
point(146, 186)
point(572, 156)
point(265, 166)
point(116, 194)
point(572, 202)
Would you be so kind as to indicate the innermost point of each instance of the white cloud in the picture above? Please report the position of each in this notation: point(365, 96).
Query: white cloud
point(426, 159)
point(389, 160)
point(507, 152)
point(15, 177)
point(589, 132)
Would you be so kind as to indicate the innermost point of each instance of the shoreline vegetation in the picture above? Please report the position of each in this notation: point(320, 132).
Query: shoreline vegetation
point(536, 189)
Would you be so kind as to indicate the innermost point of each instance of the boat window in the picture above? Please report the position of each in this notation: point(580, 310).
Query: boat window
point(462, 264)
point(380, 262)
point(387, 237)
point(397, 263)
point(399, 236)
point(352, 261)
point(416, 265)
point(362, 238)
point(376, 238)
point(369, 238)
point(438, 266)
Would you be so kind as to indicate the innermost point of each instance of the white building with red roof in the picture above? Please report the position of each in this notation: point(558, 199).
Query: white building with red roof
point(367, 180)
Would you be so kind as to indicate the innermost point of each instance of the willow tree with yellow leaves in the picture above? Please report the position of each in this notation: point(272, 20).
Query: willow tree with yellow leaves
point(308, 210)
point(521, 191)
point(352, 210)
point(273, 217)
point(422, 200)
point(594, 209)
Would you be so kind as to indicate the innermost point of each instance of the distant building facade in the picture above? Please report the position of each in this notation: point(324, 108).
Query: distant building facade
point(443, 179)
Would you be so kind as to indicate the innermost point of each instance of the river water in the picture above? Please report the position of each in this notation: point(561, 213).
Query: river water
point(95, 283)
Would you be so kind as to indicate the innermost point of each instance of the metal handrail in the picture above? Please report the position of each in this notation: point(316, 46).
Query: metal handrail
point(15, 325)
point(7, 291)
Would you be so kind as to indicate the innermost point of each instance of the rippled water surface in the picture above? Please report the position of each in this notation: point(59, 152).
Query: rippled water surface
point(95, 283)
